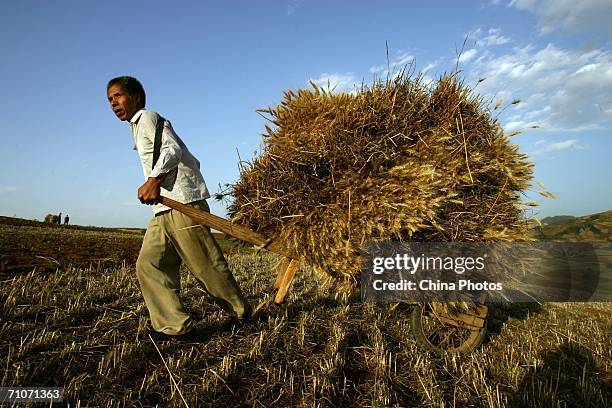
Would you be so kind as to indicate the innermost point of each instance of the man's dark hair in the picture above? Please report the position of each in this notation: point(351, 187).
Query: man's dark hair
point(131, 85)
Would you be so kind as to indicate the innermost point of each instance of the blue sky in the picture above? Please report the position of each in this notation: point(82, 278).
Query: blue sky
point(207, 66)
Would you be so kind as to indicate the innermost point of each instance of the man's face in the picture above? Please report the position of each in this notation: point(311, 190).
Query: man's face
point(123, 104)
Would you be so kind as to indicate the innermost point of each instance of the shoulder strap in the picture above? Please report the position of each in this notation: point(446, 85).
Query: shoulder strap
point(159, 128)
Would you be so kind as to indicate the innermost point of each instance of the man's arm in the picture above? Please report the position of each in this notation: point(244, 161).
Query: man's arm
point(150, 191)
point(169, 157)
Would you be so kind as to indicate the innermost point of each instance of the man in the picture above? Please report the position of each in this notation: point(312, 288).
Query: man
point(66, 219)
point(171, 236)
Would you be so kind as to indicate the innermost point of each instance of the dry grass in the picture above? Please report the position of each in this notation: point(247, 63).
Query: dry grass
point(83, 329)
point(397, 160)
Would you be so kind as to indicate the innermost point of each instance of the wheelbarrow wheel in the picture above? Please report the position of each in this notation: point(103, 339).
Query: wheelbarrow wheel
point(447, 333)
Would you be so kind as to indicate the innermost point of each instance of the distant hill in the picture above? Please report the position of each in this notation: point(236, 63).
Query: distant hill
point(588, 228)
point(556, 219)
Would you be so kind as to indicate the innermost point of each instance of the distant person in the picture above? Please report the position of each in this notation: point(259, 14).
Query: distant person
point(170, 168)
point(66, 219)
point(58, 220)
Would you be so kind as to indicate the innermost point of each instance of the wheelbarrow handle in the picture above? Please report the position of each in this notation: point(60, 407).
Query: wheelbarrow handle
point(221, 224)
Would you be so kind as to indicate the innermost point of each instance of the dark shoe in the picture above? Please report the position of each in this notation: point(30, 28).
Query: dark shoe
point(246, 317)
point(159, 336)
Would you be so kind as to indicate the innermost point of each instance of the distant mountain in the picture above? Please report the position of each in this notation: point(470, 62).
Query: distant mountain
point(588, 228)
point(556, 219)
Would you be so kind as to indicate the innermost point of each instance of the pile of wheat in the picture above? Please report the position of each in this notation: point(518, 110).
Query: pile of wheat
point(396, 160)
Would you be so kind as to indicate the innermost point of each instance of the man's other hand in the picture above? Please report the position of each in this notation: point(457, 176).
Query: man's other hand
point(149, 193)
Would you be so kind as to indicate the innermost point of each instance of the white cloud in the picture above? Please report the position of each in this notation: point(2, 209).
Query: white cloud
point(545, 146)
point(582, 15)
point(587, 68)
point(467, 56)
point(516, 125)
point(396, 63)
point(524, 4)
point(402, 59)
point(7, 189)
point(376, 69)
point(337, 82)
point(492, 37)
point(564, 145)
point(293, 6)
point(429, 67)
point(481, 41)
point(559, 89)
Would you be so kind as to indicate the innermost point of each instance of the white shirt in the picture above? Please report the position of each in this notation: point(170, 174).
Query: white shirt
point(185, 184)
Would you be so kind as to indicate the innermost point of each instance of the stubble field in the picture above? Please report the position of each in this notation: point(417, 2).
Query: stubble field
point(72, 316)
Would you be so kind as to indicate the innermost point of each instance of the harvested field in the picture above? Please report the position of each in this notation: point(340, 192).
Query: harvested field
point(82, 327)
point(26, 244)
point(24, 247)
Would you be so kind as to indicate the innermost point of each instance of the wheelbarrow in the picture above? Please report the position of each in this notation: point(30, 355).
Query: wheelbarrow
point(434, 328)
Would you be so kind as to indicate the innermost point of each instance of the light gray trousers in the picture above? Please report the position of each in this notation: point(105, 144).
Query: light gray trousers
point(173, 237)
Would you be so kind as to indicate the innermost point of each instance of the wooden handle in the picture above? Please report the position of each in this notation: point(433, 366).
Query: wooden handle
point(286, 280)
point(282, 267)
point(221, 224)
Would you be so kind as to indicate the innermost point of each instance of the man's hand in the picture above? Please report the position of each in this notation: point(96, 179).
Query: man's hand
point(149, 193)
